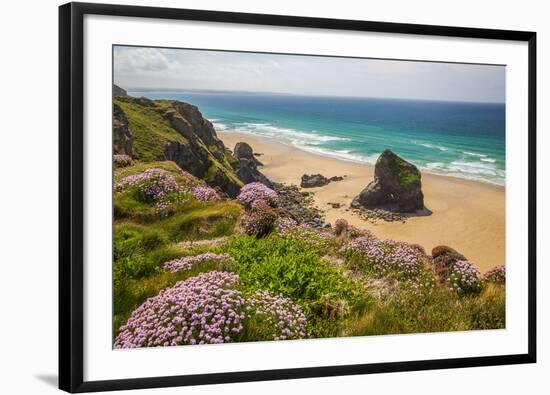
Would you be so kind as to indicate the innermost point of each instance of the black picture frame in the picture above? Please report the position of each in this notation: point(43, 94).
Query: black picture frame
point(71, 198)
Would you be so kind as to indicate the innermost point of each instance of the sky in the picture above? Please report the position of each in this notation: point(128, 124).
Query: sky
point(138, 68)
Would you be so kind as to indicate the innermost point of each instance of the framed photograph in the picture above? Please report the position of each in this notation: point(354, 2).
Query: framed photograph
point(250, 197)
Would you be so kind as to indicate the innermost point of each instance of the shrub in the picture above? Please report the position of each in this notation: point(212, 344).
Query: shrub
point(284, 225)
point(340, 226)
point(309, 237)
point(274, 318)
point(153, 184)
point(122, 160)
point(496, 275)
point(254, 191)
point(182, 177)
point(259, 220)
point(383, 257)
point(205, 193)
point(464, 278)
point(209, 309)
point(354, 232)
point(187, 262)
point(488, 310)
point(202, 309)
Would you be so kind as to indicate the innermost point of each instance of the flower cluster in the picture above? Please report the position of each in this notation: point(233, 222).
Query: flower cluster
point(188, 180)
point(255, 191)
point(285, 225)
point(122, 160)
point(496, 275)
point(386, 256)
point(187, 262)
point(403, 257)
point(308, 236)
point(208, 309)
point(153, 183)
point(199, 310)
point(259, 220)
point(422, 286)
point(205, 193)
point(353, 232)
point(340, 226)
point(464, 278)
point(284, 319)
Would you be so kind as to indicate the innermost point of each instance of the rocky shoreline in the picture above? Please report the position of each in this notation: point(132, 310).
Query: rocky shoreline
point(377, 214)
point(299, 205)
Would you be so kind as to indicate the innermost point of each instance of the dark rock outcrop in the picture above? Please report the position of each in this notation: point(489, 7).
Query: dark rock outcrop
point(443, 258)
point(118, 91)
point(246, 165)
point(336, 178)
point(122, 138)
point(314, 180)
point(317, 180)
point(177, 131)
point(396, 186)
point(244, 151)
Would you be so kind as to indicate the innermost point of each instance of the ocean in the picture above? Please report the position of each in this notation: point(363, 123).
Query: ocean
point(459, 139)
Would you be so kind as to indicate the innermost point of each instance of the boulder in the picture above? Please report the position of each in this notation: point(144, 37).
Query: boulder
point(396, 186)
point(336, 178)
point(244, 151)
point(443, 258)
point(314, 180)
point(246, 165)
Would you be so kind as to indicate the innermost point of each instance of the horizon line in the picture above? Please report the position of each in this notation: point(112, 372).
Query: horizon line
point(183, 90)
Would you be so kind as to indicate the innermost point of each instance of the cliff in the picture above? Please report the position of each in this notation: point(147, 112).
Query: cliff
point(118, 91)
point(155, 130)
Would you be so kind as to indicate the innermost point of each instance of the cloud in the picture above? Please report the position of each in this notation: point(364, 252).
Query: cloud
point(155, 68)
point(135, 60)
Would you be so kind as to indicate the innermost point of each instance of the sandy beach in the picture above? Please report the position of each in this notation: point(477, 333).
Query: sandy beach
point(466, 215)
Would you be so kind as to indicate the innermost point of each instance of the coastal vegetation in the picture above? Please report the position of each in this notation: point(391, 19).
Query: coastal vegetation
point(201, 256)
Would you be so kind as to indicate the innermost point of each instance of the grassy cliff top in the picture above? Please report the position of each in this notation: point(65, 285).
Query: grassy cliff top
point(150, 127)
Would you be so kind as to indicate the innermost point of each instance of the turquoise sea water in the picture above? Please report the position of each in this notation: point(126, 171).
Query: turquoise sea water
point(460, 139)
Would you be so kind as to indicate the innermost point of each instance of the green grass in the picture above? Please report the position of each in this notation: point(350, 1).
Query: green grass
point(200, 220)
point(216, 166)
point(288, 267)
point(432, 310)
point(151, 129)
point(140, 249)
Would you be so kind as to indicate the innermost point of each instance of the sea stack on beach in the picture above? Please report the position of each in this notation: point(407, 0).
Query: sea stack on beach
point(396, 186)
point(246, 165)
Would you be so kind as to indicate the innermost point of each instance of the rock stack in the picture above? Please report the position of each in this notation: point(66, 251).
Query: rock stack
point(246, 166)
point(396, 186)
